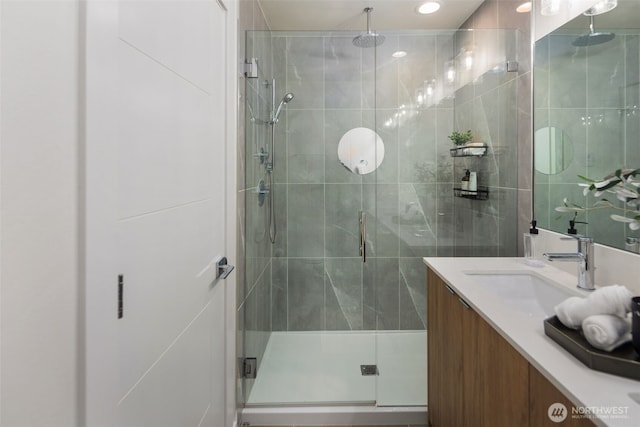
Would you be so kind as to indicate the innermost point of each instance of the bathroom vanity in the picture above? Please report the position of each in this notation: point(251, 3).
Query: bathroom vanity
point(489, 361)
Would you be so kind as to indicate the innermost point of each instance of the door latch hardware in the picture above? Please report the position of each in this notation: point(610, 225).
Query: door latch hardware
point(120, 296)
point(222, 268)
point(367, 370)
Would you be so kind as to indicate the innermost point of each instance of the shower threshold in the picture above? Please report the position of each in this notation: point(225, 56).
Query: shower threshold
point(335, 415)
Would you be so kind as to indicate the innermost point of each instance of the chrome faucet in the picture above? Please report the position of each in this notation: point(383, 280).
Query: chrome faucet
point(585, 259)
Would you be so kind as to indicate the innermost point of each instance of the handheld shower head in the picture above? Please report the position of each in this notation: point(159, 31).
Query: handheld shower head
point(285, 100)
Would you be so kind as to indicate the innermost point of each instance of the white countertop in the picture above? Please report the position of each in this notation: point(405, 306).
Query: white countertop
point(583, 386)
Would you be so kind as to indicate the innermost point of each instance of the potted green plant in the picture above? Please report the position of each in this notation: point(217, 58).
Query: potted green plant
point(623, 184)
point(460, 138)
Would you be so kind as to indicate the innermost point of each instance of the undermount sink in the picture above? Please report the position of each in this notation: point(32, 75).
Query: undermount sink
point(526, 293)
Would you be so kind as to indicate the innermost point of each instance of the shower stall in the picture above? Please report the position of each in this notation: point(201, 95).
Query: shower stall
point(349, 187)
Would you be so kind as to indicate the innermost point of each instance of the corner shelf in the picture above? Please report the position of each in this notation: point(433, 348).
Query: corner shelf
point(469, 151)
point(481, 194)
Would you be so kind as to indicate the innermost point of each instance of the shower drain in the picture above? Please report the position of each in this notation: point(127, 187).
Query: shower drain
point(369, 370)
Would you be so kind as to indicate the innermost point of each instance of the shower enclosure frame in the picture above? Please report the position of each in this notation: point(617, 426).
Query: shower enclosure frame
point(267, 260)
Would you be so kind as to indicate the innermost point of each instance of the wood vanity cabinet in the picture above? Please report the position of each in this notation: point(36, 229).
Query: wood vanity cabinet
point(542, 394)
point(475, 377)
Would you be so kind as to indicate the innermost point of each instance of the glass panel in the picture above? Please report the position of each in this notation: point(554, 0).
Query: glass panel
point(254, 303)
point(321, 318)
point(429, 84)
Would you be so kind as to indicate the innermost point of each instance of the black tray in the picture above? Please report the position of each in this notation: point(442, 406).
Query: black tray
point(623, 361)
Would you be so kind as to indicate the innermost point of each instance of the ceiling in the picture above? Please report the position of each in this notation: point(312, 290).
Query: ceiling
point(320, 15)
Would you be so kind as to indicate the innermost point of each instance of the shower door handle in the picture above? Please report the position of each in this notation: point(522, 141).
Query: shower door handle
point(363, 236)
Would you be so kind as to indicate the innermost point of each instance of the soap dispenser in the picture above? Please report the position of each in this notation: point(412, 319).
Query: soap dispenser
point(464, 184)
point(529, 240)
point(473, 183)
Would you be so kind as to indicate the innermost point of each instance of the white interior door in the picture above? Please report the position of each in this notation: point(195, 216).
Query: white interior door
point(156, 212)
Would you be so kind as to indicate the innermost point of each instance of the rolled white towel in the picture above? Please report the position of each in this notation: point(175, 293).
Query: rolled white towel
point(614, 299)
point(607, 331)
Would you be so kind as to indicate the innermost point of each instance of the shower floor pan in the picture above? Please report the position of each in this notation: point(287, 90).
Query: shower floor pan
point(317, 376)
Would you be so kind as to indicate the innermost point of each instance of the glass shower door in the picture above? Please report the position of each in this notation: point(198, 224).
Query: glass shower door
point(307, 318)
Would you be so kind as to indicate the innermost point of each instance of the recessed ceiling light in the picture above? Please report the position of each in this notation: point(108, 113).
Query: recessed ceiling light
point(524, 7)
point(428, 7)
point(399, 54)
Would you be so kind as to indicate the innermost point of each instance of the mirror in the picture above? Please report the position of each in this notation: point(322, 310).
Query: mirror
point(361, 151)
point(587, 119)
point(553, 149)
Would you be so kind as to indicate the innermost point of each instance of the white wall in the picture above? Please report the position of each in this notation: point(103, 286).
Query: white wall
point(40, 218)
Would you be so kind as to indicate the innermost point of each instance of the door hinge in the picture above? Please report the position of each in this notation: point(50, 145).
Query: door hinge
point(248, 367)
point(120, 296)
point(250, 68)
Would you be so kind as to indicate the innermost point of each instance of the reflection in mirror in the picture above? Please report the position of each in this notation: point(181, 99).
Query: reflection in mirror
point(586, 99)
point(361, 151)
point(553, 151)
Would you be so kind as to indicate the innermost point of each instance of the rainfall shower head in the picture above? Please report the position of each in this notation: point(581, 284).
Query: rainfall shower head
point(368, 39)
point(285, 100)
point(593, 38)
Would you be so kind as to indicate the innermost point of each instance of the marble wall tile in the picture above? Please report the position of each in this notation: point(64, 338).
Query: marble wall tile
point(305, 71)
point(343, 202)
point(567, 60)
point(605, 81)
point(507, 142)
point(342, 73)
point(417, 220)
point(263, 296)
point(305, 297)
point(387, 172)
point(305, 219)
point(279, 291)
point(336, 124)
point(387, 297)
point(279, 194)
point(305, 146)
point(417, 148)
point(413, 279)
point(381, 207)
point(507, 222)
point(524, 136)
point(444, 126)
point(344, 294)
point(574, 126)
point(386, 75)
point(408, 314)
point(446, 225)
point(605, 144)
point(416, 67)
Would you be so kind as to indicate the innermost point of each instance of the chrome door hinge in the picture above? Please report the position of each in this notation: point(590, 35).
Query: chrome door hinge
point(250, 68)
point(248, 367)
